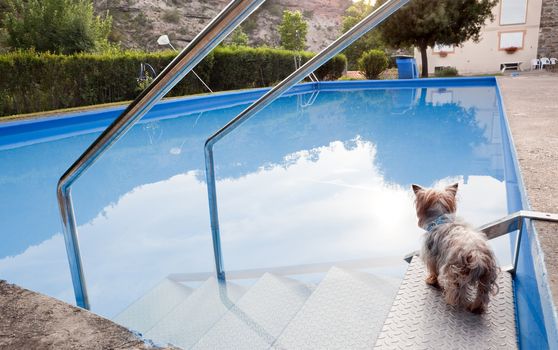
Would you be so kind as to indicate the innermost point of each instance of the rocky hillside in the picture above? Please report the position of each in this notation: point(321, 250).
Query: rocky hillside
point(138, 23)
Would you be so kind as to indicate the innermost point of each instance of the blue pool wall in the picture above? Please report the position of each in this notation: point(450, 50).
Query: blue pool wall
point(535, 311)
point(536, 314)
point(27, 131)
point(21, 132)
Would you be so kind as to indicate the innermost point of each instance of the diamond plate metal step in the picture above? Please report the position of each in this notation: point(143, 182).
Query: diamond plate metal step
point(192, 318)
point(144, 313)
point(259, 316)
point(346, 311)
point(420, 318)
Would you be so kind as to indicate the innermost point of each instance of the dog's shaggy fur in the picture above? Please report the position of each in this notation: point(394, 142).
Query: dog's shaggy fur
point(457, 257)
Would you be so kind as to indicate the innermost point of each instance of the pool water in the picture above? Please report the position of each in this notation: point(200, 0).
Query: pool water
point(302, 182)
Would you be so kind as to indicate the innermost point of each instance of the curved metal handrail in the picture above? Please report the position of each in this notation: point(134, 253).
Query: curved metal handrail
point(503, 226)
point(326, 54)
point(215, 32)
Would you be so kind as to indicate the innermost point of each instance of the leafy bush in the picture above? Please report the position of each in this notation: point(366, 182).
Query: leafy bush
point(446, 72)
point(61, 26)
point(372, 63)
point(32, 82)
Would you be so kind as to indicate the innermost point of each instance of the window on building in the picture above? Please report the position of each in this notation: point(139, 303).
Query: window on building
point(513, 12)
point(443, 48)
point(511, 39)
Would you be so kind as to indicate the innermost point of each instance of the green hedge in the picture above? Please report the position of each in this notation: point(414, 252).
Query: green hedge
point(242, 67)
point(32, 82)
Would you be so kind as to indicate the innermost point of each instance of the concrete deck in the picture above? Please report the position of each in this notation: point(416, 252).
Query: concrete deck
point(531, 103)
point(30, 320)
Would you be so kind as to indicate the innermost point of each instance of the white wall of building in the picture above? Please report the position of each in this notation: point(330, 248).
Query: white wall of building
point(488, 54)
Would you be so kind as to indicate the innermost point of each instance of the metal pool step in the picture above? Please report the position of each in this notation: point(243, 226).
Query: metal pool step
point(144, 313)
point(258, 318)
point(420, 319)
point(192, 318)
point(346, 311)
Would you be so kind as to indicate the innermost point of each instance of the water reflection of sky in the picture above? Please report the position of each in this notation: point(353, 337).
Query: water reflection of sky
point(296, 185)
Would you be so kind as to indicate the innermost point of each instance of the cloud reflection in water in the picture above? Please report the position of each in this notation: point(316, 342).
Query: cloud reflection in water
point(319, 205)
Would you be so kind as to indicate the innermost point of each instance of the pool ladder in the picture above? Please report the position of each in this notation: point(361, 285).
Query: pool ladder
point(298, 63)
point(213, 34)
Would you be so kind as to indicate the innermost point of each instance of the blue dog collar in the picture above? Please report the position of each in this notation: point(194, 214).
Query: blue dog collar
point(440, 220)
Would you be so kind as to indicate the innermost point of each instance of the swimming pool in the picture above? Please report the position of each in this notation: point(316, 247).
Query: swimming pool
point(318, 176)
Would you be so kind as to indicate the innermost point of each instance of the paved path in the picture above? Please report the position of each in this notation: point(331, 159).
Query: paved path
point(531, 102)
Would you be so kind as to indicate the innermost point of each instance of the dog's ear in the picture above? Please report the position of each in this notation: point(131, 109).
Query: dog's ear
point(416, 188)
point(453, 188)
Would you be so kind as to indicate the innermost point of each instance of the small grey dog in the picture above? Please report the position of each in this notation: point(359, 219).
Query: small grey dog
point(458, 258)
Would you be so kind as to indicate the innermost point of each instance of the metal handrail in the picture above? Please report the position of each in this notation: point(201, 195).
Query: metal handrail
point(505, 225)
point(326, 54)
point(215, 32)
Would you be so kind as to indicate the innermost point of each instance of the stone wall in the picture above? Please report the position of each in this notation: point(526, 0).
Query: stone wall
point(548, 33)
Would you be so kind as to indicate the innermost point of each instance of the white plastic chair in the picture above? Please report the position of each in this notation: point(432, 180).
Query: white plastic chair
point(553, 60)
point(535, 64)
point(544, 62)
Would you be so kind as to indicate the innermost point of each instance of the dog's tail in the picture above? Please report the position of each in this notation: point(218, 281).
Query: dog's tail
point(482, 277)
point(482, 269)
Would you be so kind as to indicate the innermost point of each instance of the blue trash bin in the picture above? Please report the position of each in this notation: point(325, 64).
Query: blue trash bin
point(406, 67)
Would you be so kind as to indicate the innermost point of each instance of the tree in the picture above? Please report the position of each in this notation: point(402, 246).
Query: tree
point(371, 40)
point(60, 26)
point(238, 37)
point(424, 23)
point(293, 30)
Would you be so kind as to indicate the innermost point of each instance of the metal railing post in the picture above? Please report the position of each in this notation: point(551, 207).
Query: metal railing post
point(72, 245)
point(215, 32)
point(315, 62)
point(515, 257)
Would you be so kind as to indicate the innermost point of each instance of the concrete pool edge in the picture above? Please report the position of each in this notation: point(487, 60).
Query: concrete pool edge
point(35, 321)
point(536, 249)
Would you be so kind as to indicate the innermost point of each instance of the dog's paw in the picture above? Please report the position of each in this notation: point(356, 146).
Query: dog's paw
point(432, 280)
